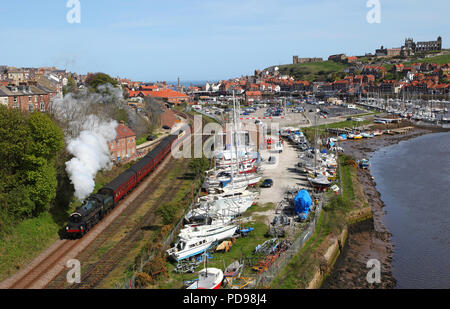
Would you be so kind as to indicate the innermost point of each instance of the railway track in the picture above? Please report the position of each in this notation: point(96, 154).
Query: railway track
point(99, 270)
point(41, 271)
point(48, 270)
point(60, 280)
point(96, 272)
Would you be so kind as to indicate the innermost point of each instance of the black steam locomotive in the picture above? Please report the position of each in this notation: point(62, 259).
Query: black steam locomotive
point(96, 206)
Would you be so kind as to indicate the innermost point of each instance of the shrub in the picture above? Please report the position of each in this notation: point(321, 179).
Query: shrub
point(168, 212)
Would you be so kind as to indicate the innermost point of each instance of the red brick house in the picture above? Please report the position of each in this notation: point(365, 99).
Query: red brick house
point(123, 148)
point(253, 95)
point(27, 98)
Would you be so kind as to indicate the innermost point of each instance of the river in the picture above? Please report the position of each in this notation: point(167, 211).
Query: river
point(413, 178)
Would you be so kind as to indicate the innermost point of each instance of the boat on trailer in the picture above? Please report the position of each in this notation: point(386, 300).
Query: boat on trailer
point(188, 247)
point(209, 278)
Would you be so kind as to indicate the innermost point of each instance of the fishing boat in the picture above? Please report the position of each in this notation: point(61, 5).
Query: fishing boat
point(224, 179)
point(235, 196)
point(188, 247)
point(233, 270)
point(216, 231)
point(367, 135)
point(320, 182)
point(364, 164)
point(208, 278)
point(220, 208)
point(377, 133)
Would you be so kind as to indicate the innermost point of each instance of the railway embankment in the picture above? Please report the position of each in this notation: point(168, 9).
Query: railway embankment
point(368, 238)
point(315, 261)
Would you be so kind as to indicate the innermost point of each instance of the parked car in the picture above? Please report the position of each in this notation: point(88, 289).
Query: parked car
point(272, 160)
point(150, 138)
point(166, 127)
point(267, 183)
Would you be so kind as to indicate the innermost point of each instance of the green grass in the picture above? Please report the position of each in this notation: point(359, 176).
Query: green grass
point(299, 270)
point(315, 71)
point(26, 240)
point(30, 237)
point(347, 182)
point(242, 248)
point(443, 59)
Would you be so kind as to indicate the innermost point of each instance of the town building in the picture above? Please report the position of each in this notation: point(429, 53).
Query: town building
point(297, 60)
point(338, 58)
point(27, 98)
point(123, 148)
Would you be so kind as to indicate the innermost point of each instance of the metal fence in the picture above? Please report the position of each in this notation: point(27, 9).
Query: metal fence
point(264, 279)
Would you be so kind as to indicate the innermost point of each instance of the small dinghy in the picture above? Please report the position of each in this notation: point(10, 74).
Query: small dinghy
point(208, 278)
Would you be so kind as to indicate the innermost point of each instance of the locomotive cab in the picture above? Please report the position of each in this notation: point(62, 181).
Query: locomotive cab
point(85, 216)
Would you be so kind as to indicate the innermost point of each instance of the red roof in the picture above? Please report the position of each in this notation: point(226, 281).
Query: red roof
point(253, 93)
point(149, 87)
point(133, 93)
point(165, 93)
point(123, 131)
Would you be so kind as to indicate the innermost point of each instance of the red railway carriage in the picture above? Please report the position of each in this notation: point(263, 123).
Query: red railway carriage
point(97, 205)
point(126, 181)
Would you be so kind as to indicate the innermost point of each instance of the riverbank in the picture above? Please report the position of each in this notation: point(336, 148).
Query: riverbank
point(369, 239)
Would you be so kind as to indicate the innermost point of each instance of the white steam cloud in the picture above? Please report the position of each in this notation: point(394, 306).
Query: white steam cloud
point(91, 154)
point(88, 129)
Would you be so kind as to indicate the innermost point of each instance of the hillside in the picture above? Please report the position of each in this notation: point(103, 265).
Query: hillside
point(442, 59)
point(315, 71)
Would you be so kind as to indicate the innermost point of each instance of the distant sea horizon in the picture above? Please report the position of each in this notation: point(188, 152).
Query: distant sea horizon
point(188, 83)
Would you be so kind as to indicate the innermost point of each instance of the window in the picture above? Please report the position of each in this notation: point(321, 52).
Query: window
point(42, 107)
point(35, 99)
point(30, 107)
point(15, 99)
point(29, 99)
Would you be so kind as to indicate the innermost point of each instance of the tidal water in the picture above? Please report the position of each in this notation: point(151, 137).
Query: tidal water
point(413, 178)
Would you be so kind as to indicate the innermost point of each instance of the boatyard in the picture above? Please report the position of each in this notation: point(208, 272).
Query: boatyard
point(227, 147)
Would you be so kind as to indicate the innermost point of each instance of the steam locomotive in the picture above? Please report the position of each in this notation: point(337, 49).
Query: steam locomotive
point(96, 206)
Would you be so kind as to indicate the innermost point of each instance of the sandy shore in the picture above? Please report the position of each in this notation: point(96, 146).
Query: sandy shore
point(369, 239)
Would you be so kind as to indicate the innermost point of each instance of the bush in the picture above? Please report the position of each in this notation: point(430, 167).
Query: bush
point(142, 280)
point(337, 202)
point(168, 212)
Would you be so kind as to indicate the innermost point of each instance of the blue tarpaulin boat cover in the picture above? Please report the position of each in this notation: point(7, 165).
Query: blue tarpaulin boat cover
point(324, 151)
point(302, 203)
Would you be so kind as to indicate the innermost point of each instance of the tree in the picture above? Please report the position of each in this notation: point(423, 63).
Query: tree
point(47, 136)
point(98, 79)
point(28, 146)
point(70, 87)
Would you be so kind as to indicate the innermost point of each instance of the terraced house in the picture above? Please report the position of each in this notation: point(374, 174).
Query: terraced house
point(27, 98)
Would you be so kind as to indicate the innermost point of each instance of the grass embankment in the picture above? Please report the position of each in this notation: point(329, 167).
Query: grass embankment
point(172, 195)
point(314, 71)
point(442, 59)
point(26, 240)
point(334, 218)
point(32, 236)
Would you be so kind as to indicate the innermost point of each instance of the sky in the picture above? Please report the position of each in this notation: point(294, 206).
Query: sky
point(147, 40)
